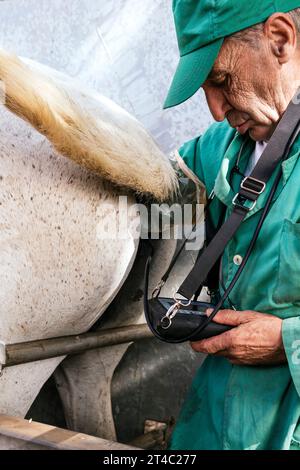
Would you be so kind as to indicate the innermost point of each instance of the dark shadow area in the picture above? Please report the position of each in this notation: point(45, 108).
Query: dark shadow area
point(151, 382)
point(47, 407)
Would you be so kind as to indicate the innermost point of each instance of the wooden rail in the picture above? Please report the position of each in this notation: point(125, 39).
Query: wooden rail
point(18, 433)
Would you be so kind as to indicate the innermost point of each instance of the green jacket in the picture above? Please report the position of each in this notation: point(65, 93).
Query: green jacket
point(243, 407)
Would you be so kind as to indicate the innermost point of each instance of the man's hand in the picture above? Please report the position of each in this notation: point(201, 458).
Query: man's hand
point(255, 339)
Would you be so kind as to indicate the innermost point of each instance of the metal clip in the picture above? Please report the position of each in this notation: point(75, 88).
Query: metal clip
point(157, 289)
point(166, 321)
point(181, 301)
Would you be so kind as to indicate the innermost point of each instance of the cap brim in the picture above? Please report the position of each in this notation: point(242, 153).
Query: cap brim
point(191, 73)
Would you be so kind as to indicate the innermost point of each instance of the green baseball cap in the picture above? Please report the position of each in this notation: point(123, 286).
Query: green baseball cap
point(201, 26)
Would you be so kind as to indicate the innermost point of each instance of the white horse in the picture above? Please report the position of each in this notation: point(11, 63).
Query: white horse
point(56, 276)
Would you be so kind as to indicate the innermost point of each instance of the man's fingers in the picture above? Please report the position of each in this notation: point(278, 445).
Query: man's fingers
point(214, 345)
point(231, 317)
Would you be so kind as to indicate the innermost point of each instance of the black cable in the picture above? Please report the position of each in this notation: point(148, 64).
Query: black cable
point(252, 243)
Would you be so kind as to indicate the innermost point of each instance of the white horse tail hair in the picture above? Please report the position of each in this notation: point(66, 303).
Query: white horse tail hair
point(109, 142)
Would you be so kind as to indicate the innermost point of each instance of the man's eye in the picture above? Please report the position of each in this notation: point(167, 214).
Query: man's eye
point(222, 82)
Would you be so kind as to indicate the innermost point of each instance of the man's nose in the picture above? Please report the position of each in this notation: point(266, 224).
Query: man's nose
point(217, 103)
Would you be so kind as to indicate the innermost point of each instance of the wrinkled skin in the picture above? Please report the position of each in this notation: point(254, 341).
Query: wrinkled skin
point(251, 86)
point(256, 83)
point(254, 340)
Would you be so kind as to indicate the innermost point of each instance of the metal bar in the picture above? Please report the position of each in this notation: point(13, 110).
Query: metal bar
point(21, 353)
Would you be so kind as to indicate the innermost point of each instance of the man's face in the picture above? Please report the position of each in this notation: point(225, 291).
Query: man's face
point(249, 88)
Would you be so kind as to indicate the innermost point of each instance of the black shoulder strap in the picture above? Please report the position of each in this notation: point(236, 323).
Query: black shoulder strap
point(212, 279)
point(245, 200)
point(210, 231)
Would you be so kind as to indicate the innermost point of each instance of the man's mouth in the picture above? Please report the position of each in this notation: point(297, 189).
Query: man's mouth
point(243, 127)
point(240, 121)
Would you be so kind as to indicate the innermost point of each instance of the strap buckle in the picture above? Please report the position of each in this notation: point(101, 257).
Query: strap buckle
point(240, 204)
point(253, 185)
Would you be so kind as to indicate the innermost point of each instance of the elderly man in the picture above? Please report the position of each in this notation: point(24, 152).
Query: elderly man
point(246, 56)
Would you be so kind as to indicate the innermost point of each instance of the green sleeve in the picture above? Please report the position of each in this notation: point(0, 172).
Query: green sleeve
point(291, 341)
point(203, 155)
point(190, 153)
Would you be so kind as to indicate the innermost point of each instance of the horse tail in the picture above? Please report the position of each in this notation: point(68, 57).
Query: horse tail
point(124, 154)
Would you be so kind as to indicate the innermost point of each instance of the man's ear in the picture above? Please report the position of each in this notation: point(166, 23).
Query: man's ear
point(281, 31)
